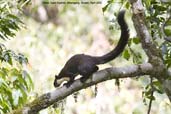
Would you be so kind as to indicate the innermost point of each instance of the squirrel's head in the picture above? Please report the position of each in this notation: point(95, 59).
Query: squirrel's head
point(59, 80)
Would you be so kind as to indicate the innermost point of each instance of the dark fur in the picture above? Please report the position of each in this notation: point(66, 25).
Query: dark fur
point(86, 65)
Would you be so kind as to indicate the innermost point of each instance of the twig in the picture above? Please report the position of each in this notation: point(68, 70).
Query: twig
point(152, 92)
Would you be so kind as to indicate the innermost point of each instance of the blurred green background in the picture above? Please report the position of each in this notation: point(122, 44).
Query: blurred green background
point(55, 32)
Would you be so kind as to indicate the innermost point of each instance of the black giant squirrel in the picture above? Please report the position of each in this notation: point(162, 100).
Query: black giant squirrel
point(86, 65)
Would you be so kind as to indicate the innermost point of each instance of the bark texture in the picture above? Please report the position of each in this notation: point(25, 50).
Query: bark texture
point(50, 98)
point(154, 54)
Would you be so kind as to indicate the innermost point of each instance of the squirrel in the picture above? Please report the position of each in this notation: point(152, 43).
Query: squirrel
point(86, 65)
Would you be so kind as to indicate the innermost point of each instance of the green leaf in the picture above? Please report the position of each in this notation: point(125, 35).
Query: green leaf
point(29, 81)
point(167, 32)
point(6, 107)
point(151, 97)
point(129, 42)
point(2, 74)
point(14, 72)
point(136, 40)
point(159, 7)
point(105, 8)
point(14, 18)
point(22, 59)
point(158, 87)
point(23, 95)
point(107, 5)
point(148, 3)
point(4, 86)
point(127, 5)
point(7, 57)
point(137, 58)
point(126, 54)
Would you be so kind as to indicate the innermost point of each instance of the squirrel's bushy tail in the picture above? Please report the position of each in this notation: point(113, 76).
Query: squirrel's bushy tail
point(122, 41)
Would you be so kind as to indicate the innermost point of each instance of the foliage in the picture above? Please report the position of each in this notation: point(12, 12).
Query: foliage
point(158, 18)
point(9, 22)
point(15, 81)
point(73, 33)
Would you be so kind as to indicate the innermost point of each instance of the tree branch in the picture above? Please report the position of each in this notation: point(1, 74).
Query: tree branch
point(149, 47)
point(154, 54)
point(156, 68)
point(50, 98)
